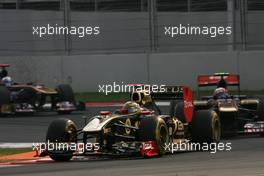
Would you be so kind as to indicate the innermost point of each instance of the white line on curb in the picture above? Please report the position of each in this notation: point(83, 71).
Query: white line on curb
point(16, 145)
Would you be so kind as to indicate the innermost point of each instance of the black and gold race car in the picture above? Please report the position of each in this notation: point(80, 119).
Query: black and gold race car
point(30, 98)
point(236, 112)
point(138, 128)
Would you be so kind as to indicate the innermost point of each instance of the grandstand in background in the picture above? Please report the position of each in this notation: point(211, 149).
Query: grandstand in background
point(129, 26)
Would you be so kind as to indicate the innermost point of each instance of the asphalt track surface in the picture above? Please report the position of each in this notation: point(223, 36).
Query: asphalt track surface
point(23, 128)
point(245, 159)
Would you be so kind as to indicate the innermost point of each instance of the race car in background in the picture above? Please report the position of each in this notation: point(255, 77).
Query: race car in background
point(30, 98)
point(237, 113)
point(138, 128)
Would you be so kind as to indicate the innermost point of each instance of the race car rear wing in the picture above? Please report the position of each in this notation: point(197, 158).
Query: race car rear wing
point(161, 93)
point(212, 80)
point(4, 65)
point(168, 93)
point(183, 93)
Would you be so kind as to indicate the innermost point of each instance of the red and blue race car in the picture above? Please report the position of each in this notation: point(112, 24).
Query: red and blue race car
point(238, 113)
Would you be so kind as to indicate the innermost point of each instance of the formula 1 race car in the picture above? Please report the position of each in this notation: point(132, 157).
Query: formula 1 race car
point(29, 98)
point(138, 128)
point(237, 113)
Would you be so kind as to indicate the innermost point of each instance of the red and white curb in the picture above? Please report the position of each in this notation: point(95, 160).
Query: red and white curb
point(25, 162)
point(46, 160)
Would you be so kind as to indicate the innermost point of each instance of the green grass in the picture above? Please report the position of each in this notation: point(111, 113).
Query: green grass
point(101, 97)
point(11, 151)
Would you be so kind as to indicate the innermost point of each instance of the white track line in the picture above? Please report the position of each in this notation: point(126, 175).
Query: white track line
point(12, 165)
point(16, 145)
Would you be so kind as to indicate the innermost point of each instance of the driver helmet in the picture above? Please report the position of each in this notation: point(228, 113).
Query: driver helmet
point(131, 107)
point(220, 91)
point(7, 81)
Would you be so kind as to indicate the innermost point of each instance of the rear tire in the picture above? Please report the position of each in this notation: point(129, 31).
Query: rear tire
point(4, 95)
point(205, 127)
point(61, 131)
point(154, 129)
point(65, 93)
point(177, 110)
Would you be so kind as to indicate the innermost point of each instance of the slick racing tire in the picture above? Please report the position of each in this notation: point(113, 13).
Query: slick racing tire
point(26, 95)
point(177, 110)
point(61, 131)
point(205, 127)
point(5, 98)
point(261, 108)
point(4, 95)
point(65, 93)
point(153, 128)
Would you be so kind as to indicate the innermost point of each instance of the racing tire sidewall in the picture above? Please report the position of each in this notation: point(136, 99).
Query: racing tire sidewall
point(205, 127)
point(61, 131)
point(154, 129)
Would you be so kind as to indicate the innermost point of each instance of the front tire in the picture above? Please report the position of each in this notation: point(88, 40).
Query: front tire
point(61, 131)
point(154, 129)
point(205, 127)
point(5, 98)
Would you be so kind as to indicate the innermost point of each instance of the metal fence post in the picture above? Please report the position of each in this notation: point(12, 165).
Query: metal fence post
point(66, 15)
point(231, 22)
point(18, 2)
point(189, 4)
point(243, 7)
point(152, 26)
point(95, 5)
